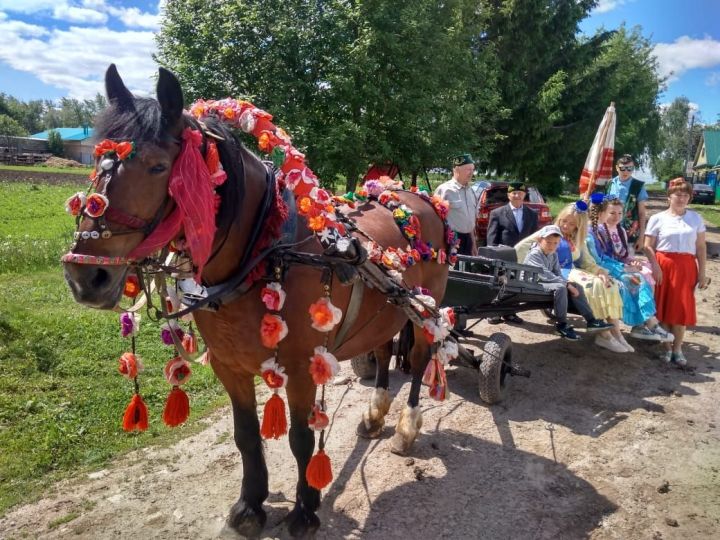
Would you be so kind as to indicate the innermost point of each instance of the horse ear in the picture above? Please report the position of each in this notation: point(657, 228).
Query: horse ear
point(117, 92)
point(170, 96)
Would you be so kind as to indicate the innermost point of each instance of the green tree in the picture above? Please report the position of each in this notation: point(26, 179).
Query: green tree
point(354, 82)
point(677, 143)
point(10, 127)
point(55, 143)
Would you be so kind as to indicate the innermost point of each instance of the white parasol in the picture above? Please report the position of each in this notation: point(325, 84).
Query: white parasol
point(598, 168)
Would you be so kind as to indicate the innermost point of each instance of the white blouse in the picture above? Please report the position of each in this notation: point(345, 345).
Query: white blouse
point(675, 234)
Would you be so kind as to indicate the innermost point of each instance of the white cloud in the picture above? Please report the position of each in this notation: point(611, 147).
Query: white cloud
point(134, 18)
point(78, 15)
point(604, 6)
point(685, 54)
point(76, 59)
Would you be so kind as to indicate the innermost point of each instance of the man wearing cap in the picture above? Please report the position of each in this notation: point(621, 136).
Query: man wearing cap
point(463, 202)
point(508, 225)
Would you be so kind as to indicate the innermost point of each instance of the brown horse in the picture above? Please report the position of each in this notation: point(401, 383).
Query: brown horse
point(139, 189)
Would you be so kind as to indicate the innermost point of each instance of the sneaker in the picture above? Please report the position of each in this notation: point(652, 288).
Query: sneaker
point(513, 318)
point(665, 336)
point(624, 343)
point(566, 331)
point(643, 332)
point(494, 320)
point(611, 344)
point(596, 325)
point(679, 359)
point(666, 356)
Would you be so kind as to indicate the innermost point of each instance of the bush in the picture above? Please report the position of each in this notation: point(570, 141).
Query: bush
point(55, 143)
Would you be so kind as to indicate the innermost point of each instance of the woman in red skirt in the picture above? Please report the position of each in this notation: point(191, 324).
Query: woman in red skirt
point(675, 246)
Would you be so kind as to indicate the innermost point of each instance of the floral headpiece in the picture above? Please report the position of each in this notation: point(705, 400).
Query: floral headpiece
point(676, 182)
point(581, 207)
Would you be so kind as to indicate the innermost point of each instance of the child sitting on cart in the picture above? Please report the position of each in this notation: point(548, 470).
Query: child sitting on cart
point(544, 255)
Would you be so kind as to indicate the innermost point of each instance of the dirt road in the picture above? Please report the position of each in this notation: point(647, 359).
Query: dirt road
point(594, 445)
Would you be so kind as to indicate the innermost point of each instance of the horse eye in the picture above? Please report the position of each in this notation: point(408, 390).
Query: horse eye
point(158, 169)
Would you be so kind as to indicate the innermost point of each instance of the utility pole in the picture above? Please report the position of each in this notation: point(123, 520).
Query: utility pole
point(688, 157)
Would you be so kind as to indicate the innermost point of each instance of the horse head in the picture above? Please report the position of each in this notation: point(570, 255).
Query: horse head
point(141, 139)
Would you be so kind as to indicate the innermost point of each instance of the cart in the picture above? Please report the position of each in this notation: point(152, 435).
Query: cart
point(490, 284)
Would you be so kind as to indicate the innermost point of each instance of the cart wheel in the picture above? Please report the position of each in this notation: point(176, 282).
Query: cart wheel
point(364, 365)
point(494, 367)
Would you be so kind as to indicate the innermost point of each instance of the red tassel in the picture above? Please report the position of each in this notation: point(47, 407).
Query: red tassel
point(177, 407)
point(274, 424)
point(136, 415)
point(319, 471)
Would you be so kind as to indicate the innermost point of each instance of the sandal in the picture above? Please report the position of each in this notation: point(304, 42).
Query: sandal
point(679, 359)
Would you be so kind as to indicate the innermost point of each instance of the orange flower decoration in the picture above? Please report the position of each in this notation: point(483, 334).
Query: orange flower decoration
point(130, 365)
point(305, 205)
point(105, 147)
point(267, 141)
point(74, 204)
point(125, 150)
point(316, 223)
point(132, 286)
point(324, 315)
point(272, 330)
point(323, 366)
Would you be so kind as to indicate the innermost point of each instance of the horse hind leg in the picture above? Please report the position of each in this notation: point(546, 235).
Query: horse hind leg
point(247, 516)
point(410, 422)
point(373, 419)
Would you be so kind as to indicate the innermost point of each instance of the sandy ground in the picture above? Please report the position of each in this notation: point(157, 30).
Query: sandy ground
point(594, 445)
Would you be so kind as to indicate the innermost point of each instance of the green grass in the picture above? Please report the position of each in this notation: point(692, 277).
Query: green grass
point(83, 171)
point(61, 397)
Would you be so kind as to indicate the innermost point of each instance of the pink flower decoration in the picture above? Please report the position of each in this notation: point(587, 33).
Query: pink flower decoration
point(318, 420)
point(323, 366)
point(129, 323)
point(129, 365)
point(273, 296)
point(167, 337)
point(177, 371)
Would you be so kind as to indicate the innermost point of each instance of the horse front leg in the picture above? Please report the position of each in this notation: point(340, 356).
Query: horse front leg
point(247, 516)
point(410, 422)
point(373, 418)
point(302, 519)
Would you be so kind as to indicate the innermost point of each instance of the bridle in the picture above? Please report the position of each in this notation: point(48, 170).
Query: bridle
point(108, 160)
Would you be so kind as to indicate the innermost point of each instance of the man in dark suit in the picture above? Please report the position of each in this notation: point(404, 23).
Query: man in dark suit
point(508, 225)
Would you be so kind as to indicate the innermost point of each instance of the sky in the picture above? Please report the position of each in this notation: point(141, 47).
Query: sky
point(61, 48)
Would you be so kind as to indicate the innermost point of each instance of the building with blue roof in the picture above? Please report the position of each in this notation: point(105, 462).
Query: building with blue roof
point(77, 142)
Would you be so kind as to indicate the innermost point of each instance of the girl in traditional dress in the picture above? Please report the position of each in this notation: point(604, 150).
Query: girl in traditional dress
point(605, 243)
point(578, 265)
point(675, 246)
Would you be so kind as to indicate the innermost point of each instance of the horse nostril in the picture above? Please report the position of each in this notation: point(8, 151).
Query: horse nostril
point(101, 278)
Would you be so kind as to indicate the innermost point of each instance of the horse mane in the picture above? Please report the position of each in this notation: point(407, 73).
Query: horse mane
point(144, 123)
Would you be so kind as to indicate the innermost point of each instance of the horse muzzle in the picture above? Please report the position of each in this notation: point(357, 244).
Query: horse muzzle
point(98, 287)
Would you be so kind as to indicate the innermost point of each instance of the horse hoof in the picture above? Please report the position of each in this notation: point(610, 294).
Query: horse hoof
point(302, 524)
point(372, 432)
point(400, 445)
point(245, 520)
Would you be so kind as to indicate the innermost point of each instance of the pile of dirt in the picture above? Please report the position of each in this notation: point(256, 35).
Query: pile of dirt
point(55, 161)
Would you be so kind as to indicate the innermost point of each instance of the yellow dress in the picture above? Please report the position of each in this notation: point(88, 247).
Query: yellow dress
point(605, 302)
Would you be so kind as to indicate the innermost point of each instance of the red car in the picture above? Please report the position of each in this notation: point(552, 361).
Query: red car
point(494, 195)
